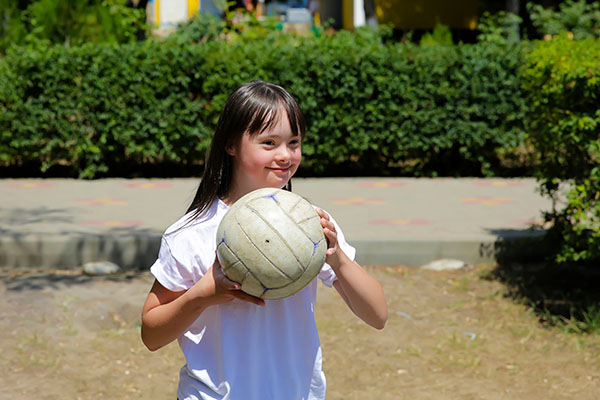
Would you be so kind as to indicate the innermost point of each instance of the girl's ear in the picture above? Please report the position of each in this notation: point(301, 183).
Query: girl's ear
point(230, 148)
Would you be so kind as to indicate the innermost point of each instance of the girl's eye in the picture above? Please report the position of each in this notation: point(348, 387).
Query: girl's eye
point(269, 143)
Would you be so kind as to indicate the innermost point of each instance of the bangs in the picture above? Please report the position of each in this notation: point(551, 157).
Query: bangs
point(265, 118)
point(265, 111)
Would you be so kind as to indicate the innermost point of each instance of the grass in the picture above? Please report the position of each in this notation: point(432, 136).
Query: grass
point(470, 335)
point(473, 334)
point(34, 351)
point(586, 322)
point(564, 297)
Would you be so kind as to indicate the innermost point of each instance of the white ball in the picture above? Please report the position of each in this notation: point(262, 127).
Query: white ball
point(271, 242)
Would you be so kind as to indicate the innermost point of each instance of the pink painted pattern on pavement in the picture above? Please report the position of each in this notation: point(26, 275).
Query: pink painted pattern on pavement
point(400, 222)
point(101, 201)
point(381, 184)
point(31, 185)
point(148, 185)
point(487, 200)
point(113, 223)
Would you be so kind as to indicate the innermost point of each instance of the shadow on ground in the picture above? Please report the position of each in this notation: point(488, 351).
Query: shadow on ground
point(517, 245)
point(557, 293)
point(25, 241)
point(22, 280)
point(566, 293)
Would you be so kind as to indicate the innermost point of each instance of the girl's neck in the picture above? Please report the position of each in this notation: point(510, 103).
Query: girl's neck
point(236, 193)
point(229, 199)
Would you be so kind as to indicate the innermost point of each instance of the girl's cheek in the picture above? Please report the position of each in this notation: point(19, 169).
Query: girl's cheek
point(298, 156)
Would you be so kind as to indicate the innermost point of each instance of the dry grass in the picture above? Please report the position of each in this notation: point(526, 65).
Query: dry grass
point(450, 335)
point(453, 335)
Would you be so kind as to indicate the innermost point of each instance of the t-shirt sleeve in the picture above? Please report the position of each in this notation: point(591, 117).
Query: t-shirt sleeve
point(327, 275)
point(171, 272)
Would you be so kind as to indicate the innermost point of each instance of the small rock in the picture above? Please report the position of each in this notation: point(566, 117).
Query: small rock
point(445, 264)
point(100, 268)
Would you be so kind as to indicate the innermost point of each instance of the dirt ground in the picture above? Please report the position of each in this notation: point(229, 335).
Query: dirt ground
point(450, 335)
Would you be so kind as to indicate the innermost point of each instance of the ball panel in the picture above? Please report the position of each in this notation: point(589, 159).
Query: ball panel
point(248, 242)
point(238, 272)
point(313, 269)
point(231, 264)
point(312, 228)
point(282, 226)
point(280, 293)
point(269, 206)
point(252, 286)
point(299, 210)
point(269, 233)
point(287, 201)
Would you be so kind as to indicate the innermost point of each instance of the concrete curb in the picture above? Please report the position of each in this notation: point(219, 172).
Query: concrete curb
point(72, 251)
point(140, 251)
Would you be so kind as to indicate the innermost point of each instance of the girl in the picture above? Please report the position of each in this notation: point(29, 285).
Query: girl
point(238, 346)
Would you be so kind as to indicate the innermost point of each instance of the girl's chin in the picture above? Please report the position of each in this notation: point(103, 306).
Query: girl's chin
point(278, 181)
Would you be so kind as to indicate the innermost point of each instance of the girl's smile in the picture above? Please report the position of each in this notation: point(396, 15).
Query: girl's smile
point(279, 170)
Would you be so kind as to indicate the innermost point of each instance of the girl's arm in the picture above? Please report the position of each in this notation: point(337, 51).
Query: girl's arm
point(361, 292)
point(167, 314)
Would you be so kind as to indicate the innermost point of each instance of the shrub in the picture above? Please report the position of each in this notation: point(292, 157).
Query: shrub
point(579, 17)
point(562, 80)
point(202, 26)
point(70, 22)
point(98, 107)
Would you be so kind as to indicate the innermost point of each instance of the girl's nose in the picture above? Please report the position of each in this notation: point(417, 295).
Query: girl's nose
point(284, 154)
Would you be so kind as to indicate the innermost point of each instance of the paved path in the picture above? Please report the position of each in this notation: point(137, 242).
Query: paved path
point(63, 223)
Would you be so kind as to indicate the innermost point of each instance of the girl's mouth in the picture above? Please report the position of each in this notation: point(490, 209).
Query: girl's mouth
point(279, 170)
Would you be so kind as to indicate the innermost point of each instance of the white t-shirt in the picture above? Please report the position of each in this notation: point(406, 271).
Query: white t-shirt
point(238, 350)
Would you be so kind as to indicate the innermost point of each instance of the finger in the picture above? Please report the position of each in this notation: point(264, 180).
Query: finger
point(235, 289)
point(227, 283)
point(331, 237)
point(251, 299)
point(222, 280)
point(330, 233)
point(327, 225)
point(322, 214)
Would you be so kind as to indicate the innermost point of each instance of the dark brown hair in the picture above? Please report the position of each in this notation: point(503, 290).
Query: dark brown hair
point(253, 107)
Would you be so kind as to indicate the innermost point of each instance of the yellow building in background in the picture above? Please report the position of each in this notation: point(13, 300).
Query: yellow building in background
point(425, 14)
point(419, 14)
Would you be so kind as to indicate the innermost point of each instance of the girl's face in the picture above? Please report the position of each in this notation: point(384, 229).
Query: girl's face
point(267, 159)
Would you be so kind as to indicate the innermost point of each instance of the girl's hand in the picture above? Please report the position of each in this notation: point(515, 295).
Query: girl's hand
point(361, 292)
point(330, 235)
point(167, 314)
point(218, 289)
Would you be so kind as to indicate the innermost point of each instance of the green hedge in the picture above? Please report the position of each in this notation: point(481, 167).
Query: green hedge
point(96, 107)
point(427, 110)
point(562, 80)
point(372, 106)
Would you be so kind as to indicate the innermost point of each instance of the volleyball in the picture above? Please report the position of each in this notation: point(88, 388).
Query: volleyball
point(271, 242)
